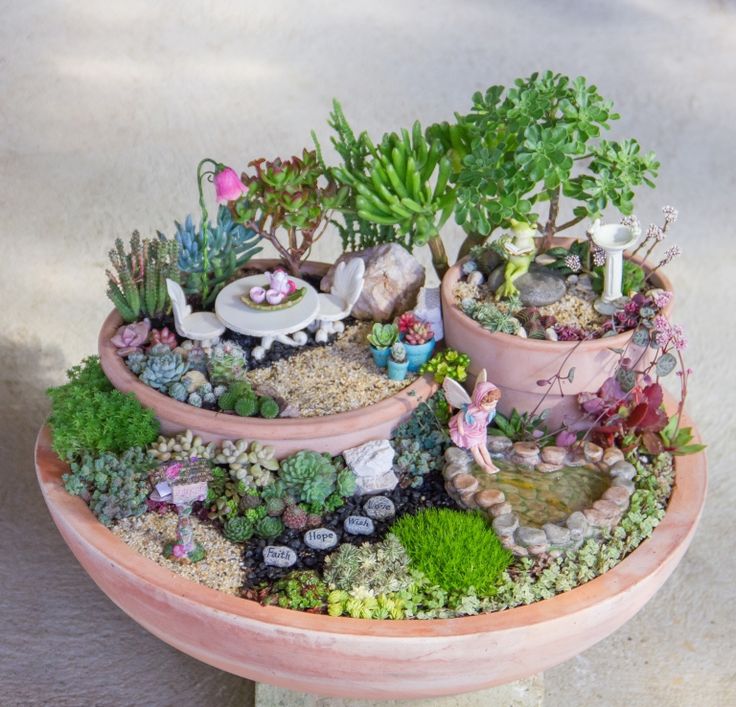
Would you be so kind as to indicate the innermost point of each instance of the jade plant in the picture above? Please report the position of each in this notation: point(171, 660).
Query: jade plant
point(137, 282)
point(539, 140)
point(401, 183)
point(288, 203)
point(447, 363)
point(89, 415)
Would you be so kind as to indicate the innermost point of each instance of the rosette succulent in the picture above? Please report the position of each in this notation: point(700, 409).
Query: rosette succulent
point(238, 529)
point(226, 363)
point(162, 367)
point(309, 476)
point(419, 333)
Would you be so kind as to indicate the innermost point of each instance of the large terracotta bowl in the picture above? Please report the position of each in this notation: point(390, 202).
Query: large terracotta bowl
point(516, 364)
point(363, 658)
point(330, 433)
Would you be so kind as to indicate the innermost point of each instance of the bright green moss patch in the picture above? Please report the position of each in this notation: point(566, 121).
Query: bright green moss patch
point(89, 415)
point(456, 550)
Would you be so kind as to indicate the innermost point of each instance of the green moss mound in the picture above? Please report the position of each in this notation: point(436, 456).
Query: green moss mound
point(456, 550)
point(89, 415)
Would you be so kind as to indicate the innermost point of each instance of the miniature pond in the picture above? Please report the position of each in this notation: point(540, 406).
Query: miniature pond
point(539, 498)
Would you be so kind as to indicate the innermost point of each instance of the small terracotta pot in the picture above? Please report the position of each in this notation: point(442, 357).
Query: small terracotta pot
point(330, 433)
point(364, 658)
point(515, 364)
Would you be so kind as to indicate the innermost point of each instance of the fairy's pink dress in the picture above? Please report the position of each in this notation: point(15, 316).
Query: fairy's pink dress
point(473, 432)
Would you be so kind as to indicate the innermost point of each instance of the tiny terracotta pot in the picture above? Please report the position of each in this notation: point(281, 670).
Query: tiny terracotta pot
point(515, 364)
point(330, 433)
point(364, 658)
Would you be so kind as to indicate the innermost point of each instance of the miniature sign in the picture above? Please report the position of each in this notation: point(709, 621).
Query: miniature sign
point(181, 481)
point(359, 525)
point(320, 538)
point(379, 508)
point(278, 556)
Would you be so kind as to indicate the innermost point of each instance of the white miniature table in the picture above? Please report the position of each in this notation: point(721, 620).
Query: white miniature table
point(269, 326)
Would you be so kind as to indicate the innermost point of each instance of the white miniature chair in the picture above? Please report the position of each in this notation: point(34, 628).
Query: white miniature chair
point(198, 326)
point(337, 304)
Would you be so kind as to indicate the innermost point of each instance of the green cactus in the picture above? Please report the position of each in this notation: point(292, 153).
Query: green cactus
point(162, 367)
point(247, 406)
point(137, 288)
point(383, 335)
point(268, 407)
point(238, 529)
point(269, 527)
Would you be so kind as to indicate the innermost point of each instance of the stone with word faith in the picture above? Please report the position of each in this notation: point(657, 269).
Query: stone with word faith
point(320, 538)
point(359, 525)
point(379, 508)
point(279, 556)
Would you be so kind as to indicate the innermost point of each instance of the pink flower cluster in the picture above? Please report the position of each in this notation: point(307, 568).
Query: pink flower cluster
point(667, 333)
point(661, 298)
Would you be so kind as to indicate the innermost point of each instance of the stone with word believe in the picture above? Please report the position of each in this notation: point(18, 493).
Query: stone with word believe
point(359, 525)
point(379, 508)
point(278, 556)
point(320, 538)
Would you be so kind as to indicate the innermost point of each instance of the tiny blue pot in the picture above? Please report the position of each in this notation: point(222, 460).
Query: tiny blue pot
point(418, 354)
point(397, 371)
point(380, 356)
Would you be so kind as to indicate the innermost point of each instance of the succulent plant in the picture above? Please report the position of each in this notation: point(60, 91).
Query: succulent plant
point(269, 527)
point(238, 529)
point(163, 336)
point(274, 490)
point(310, 476)
point(195, 400)
point(130, 338)
point(185, 445)
point(448, 364)
point(346, 482)
point(136, 362)
point(295, 517)
point(247, 406)
point(268, 407)
point(275, 506)
point(412, 462)
point(398, 352)
point(113, 486)
point(223, 508)
point(197, 359)
point(383, 335)
point(162, 367)
point(406, 321)
point(178, 391)
point(262, 458)
point(314, 520)
point(227, 399)
point(419, 333)
point(226, 362)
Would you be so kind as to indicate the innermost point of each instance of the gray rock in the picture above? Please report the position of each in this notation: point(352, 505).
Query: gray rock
point(578, 525)
point(476, 278)
point(376, 484)
point(373, 458)
point(623, 470)
point(505, 524)
point(498, 443)
point(278, 556)
point(537, 288)
point(379, 508)
point(621, 481)
point(461, 456)
point(556, 535)
point(320, 538)
point(529, 537)
point(393, 278)
point(359, 525)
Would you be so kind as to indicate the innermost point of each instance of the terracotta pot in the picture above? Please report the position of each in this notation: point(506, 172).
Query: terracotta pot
point(363, 658)
point(330, 433)
point(515, 364)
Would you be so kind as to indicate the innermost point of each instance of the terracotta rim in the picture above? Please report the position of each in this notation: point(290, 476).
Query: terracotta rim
point(452, 277)
point(188, 416)
point(671, 536)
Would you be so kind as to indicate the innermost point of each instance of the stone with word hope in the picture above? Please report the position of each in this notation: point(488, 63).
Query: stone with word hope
point(379, 508)
point(320, 538)
point(279, 556)
point(358, 525)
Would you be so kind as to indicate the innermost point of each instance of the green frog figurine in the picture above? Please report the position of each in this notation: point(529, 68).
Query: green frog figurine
point(520, 250)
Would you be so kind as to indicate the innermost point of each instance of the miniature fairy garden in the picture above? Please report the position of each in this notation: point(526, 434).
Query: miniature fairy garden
point(461, 509)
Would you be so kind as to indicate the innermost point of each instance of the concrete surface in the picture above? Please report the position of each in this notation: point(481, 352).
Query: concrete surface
point(105, 109)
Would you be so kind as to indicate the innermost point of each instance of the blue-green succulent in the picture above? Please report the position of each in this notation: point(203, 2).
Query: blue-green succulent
point(162, 367)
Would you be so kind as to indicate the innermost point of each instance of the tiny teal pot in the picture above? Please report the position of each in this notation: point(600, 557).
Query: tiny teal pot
point(380, 356)
point(418, 354)
point(397, 371)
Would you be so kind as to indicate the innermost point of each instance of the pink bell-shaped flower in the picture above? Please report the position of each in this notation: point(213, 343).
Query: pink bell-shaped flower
point(228, 186)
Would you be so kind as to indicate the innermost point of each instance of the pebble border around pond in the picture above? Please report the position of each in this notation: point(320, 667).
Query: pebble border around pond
point(605, 513)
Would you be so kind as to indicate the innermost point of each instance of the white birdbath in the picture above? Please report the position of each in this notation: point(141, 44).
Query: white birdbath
point(614, 239)
point(269, 326)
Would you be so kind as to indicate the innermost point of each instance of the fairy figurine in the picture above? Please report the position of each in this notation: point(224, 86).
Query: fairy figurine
point(468, 427)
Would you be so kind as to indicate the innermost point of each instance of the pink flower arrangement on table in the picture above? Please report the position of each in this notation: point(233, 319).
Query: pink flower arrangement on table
point(280, 286)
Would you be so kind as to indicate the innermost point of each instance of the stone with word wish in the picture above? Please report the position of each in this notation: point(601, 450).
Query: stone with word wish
point(359, 525)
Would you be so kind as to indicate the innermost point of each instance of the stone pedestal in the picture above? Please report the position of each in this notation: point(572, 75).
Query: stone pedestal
point(522, 693)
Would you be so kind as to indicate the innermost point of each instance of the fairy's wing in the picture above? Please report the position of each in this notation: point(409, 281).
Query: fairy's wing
point(482, 376)
point(456, 395)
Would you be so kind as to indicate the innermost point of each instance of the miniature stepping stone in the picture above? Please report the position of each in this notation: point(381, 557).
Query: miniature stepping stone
point(623, 470)
point(506, 524)
point(547, 468)
point(618, 495)
point(489, 497)
point(278, 556)
point(501, 509)
point(578, 525)
point(320, 538)
point(554, 455)
point(359, 525)
point(613, 455)
point(556, 535)
point(529, 537)
point(379, 508)
point(498, 443)
point(608, 508)
point(593, 452)
point(462, 456)
point(526, 450)
point(537, 288)
point(465, 484)
point(625, 483)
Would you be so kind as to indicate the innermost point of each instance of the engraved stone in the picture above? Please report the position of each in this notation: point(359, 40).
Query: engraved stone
point(278, 556)
point(359, 525)
point(320, 538)
point(379, 508)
